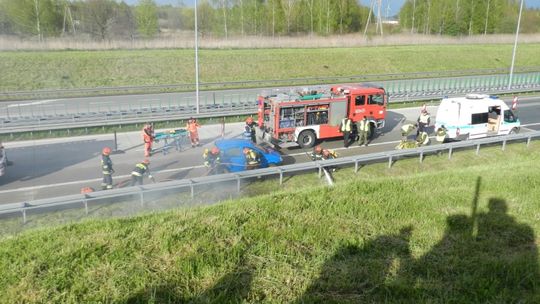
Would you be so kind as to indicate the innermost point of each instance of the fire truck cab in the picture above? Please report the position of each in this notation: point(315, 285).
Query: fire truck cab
point(305, 116)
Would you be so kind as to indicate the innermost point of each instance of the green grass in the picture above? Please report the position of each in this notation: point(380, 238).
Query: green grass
point(456, 231)
point(84, 69)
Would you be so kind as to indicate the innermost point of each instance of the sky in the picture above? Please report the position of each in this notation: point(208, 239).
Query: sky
point(393, 6)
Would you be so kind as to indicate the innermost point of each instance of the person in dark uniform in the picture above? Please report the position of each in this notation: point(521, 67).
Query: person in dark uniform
point(106, 169)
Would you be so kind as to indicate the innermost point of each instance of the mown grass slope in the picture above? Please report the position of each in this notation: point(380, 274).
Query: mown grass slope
point(464, 230)
point(83, 69)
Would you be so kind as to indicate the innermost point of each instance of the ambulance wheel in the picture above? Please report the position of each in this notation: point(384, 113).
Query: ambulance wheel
point(514, 131)
point(306, 139)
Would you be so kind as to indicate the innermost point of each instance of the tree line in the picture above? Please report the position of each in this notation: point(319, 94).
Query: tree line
point(110, 19)
point(466, 17)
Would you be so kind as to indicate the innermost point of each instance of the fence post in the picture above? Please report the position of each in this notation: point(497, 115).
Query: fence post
point(390, 162)
point(355, 166)
point(141, 195)
point(528, 141)
point(191, 188)
point(320, 170)
point(421, 156)
point(280, 176)
point(24, 215)
point(504, 145)
point(238, 183)
point(85, 202)
point(450, 153)
point(477, 149)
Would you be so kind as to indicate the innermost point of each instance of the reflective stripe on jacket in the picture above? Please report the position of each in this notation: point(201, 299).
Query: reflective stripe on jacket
point(140, 169)
point(252, 158)
point(345, 125)
point(424, 118)
point(363, 125)
point(106, 164)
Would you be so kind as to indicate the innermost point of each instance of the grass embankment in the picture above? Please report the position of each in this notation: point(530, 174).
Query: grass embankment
point(88, 69)
point(456, 231)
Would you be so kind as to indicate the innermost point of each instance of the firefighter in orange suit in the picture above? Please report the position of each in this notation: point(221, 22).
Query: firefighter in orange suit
point(192, 126)
point(148, 138)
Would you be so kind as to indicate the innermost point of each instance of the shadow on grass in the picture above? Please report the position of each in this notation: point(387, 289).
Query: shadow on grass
point(484, 258)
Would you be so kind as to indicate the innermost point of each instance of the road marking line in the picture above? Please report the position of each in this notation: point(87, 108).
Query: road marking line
point(31, 103)
point(92, 180)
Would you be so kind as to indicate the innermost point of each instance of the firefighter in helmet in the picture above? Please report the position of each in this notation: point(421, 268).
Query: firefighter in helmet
point(253, 159)
point(106, 169)
point(212, 160)
point(249, 129)
point(139, 171)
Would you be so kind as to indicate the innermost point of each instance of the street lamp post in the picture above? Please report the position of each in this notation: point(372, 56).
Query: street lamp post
point(515, 47)
point(196, 59)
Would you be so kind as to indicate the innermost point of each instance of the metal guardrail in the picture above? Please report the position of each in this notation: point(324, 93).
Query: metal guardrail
point(84, 200)
point(234, 104)
point(255, 83)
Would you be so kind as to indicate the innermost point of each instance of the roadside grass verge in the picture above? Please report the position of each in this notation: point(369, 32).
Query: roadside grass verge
point(25, 71)
point(458, 230)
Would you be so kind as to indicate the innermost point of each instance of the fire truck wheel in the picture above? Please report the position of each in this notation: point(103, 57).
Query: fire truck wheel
point(306, 139)
point(371, 134)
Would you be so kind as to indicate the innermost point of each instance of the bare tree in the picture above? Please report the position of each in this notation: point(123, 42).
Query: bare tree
point(487, 17)
point(310, 8)
point(288, 6)
point(38, 24)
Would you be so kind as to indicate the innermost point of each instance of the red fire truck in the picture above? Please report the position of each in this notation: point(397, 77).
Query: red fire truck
point(314, 114)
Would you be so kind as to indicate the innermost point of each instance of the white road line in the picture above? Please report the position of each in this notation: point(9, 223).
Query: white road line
point(531, 124)
point(92, 180)
point(32, 103)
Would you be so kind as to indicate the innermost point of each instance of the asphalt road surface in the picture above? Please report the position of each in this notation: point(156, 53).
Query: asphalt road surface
point(55, 167)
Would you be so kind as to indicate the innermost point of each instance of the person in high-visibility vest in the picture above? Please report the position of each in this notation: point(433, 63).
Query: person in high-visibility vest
point(423, 122)
point(422, 139)
point(440, 135)
point(346, 127)
point(148, 138)
point(192, 126)
point(212, 160)
point(106, 169)
point(363, 127)
point(139, 171)
point(253, 159)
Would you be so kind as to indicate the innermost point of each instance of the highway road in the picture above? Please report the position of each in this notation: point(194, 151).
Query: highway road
point(54, 167)
point(127, 103)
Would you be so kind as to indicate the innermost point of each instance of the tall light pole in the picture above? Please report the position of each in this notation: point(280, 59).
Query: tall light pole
point(196, 59)
point(515, 47)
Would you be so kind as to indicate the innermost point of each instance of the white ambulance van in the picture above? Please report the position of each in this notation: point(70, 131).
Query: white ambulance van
point(475, 116)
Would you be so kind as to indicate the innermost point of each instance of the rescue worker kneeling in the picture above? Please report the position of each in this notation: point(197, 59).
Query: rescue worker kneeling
point(441, 135)
point(140, 170)
point(253, 159)
point(212, 160)
point(421, 140)
point(407, 129)
point(323, 154)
